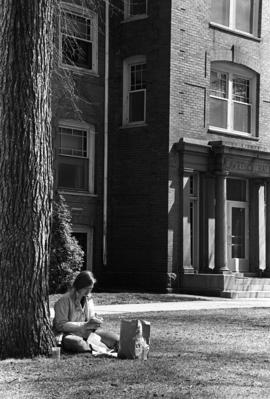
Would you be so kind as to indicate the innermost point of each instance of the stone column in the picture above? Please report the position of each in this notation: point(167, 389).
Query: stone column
point(256, 226)
point(221, 262)
point(267, 230)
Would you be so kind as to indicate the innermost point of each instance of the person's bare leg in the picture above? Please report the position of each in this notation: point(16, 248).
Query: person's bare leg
point(74, 343)
point(108, 338)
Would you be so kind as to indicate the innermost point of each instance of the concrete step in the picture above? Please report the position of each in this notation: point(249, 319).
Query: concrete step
point(257, 283)
point(245, 294)
point(257, 280)
point(251, 287)
point(251, 284)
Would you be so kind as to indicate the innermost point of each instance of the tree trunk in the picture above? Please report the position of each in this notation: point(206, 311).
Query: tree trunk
point(26, 176)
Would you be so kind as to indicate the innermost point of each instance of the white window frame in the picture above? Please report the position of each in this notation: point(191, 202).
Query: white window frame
point(127, 11)
point(233, 70)
point(87, 14)
point(232, 19)
point(90, 129)
point(135, 60)
point(89, 231)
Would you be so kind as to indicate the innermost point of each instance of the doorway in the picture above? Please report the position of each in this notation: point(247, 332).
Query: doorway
point(238, 225)
point(84, 236)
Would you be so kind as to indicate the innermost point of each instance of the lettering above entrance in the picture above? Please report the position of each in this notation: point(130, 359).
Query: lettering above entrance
point(256, 167)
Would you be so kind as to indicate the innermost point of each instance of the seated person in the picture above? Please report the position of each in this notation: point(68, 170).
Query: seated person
point(75, 317)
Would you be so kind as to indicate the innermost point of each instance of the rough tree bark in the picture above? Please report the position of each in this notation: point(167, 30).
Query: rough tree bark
point(25, 176)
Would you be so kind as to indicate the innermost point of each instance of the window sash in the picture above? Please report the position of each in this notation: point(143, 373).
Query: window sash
point(221, 12)
point(235, 112)
point(80, 29)
point(78, 40)
point(137, 8)
point(219, 112)
point(73, 173)
point(240, 15)
point(241, 120)
point(73, 158)
point(72, 142)
point(137, 76)
point(77, 52)
point(244, 15)
point(219, 84)
point(136, 104)
point(241, 88)
point(134, 98)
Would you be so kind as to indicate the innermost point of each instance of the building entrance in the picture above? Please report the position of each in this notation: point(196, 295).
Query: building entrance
point(238, 254)
point(238, 225)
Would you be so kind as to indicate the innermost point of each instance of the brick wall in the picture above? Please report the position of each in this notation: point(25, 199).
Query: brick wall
point(80, 96)
point(194, 44)
point(138, 166)
point(145, 192)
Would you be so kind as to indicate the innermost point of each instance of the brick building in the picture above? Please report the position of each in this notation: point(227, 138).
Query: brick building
point(78, 121)
point(181, 123)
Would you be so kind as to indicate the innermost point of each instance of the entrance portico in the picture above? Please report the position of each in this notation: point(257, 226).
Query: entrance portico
point(234, 208)
point(243, 207)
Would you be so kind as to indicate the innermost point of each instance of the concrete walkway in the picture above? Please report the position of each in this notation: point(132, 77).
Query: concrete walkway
point(199, 304)
point(190, 303)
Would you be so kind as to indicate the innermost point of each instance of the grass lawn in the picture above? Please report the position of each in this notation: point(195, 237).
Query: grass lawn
point(195, 354)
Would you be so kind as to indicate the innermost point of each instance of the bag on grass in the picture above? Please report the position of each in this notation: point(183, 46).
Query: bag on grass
point(134, 339)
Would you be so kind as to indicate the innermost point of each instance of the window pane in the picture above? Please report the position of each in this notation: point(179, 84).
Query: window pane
point(241, 90)
point(191, 185)
point(242, 117)
point(76, 25)
point(219, 86)
point(244, 15)
point(77, 52)
point(72, 142)
point(73, 173)
point(137, 76)
point(236, 190)
point(138, 7)
point(220, 11)
point(191, 221)
point(238, 232)
point(218, 113)
point(137, 106)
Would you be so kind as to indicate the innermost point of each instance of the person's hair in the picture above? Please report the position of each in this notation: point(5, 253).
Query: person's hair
point(84, 279)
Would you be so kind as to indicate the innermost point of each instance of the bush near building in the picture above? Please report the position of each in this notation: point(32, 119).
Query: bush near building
point(66, 255)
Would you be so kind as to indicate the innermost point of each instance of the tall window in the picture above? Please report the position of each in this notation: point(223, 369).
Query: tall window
point(75, 152)
point(193, 217)
point(78, 39)
point(233, 99)
point(135, 8)
point(191, 220)
point(241, 15)
point(134, 96)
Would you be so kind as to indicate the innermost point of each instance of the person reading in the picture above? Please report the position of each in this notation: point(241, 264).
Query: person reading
point(75, 318)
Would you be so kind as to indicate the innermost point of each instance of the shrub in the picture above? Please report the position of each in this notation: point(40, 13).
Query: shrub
point(66, 255)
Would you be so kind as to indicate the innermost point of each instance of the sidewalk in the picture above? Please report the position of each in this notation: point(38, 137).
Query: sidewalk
point(205, 304)
point(200, 303)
